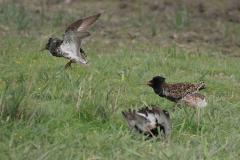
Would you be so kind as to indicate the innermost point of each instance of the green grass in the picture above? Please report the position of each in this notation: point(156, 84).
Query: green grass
point(48, 112)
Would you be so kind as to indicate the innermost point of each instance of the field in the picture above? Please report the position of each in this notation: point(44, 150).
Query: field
point(48, 112)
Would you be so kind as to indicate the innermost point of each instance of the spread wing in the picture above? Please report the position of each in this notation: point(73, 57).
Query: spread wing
point(129, 118)
point(72, 41)
point(84, 24)
point(133, 119)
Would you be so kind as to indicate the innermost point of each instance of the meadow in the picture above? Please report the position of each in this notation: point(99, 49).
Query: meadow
point(48, 112)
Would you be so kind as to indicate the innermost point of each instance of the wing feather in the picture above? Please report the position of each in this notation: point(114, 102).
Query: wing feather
point(71, 46)
point(180, 90)
point(84, 24)
point(129, 118)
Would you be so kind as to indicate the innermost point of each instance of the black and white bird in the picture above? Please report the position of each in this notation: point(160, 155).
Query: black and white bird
point(71, 45)
point(146, 121)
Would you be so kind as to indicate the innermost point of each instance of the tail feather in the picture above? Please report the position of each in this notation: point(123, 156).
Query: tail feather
point(200, 86)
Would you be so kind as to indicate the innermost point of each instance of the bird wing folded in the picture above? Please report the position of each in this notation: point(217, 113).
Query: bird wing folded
point(180, 90)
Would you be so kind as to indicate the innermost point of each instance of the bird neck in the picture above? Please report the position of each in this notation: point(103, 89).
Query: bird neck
point(159, 88)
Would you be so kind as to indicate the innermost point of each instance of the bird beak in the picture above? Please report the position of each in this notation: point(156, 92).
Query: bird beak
point(42, 49)
point(146, 84)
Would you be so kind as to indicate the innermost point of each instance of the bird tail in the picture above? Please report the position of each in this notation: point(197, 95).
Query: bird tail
point(200, 86)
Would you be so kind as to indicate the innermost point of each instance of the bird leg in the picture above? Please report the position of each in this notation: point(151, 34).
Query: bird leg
point(175, 108)
point(150, 132)
point(198, 114)
point(82, 51)
point(68, 64)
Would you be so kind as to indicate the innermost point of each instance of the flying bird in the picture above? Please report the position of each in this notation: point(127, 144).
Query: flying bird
point(146, 121)
point(71, 45)
point(176, 92)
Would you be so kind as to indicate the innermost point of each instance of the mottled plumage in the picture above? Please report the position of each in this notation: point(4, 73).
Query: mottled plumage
point(146, 121)
point(195, 100)
point(71, 45)
point(175, 92)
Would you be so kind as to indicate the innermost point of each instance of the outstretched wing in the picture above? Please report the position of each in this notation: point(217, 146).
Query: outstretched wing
point(72, 41)
point(129, 118)
point(84, 24)
point(134, 118)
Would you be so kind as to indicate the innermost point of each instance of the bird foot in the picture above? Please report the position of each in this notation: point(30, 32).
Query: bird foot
point(82, 51)
point(84, 54)
point(150, 132)
point(68, 64)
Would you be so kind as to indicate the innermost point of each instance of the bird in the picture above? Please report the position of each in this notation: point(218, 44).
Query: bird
point(196, 100)
point(180, 92)
point(176, 92)
point(146, 121)
point(71, 45)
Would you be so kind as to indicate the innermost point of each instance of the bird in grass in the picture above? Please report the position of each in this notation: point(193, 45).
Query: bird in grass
point(71, 45)
point(176, 92)
point(180, 92)
point(146, 121)
point(196, 100)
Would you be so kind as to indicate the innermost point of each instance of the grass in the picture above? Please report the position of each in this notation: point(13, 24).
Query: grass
point(48, 112)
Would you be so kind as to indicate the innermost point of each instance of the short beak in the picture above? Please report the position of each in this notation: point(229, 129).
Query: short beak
point(42, 49)
point(146, 84)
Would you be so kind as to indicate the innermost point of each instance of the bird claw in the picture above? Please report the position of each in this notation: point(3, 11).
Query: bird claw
point(68, 64)
point(82, 51)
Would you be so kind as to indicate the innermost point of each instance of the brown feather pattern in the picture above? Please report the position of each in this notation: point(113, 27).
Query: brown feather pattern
point(174, 92)
point(195, 100)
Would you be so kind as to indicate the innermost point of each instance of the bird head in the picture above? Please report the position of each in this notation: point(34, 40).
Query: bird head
point(47, 46)
point(156, 81)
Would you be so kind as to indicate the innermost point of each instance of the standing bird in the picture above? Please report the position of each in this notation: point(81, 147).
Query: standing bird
point(176, 92)
point(146, 121)
point(196, 100)
point(71, 45)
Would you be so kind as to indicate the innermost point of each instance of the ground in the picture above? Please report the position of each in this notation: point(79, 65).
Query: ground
point(48, 112)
